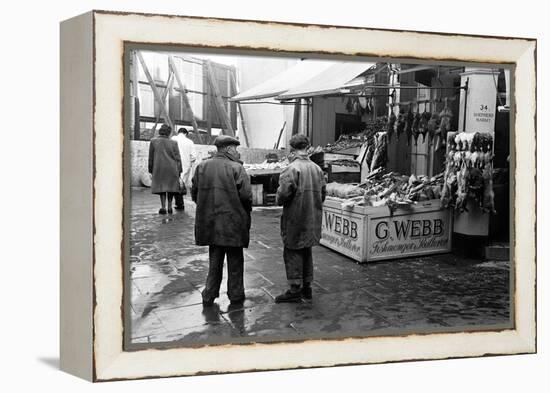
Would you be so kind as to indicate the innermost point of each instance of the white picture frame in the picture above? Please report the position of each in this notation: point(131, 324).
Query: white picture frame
point(92, 178)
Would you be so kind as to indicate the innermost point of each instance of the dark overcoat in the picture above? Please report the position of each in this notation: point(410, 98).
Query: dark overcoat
point(164, 165)
point(301, 192)
point(221, 189)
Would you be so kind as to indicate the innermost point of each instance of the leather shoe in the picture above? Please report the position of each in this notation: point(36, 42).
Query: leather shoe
point(237, 302)
point(307, 293)
point(208, 303)
point(289, 297)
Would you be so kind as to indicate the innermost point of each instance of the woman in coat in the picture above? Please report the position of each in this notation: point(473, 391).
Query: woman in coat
point(165, 167)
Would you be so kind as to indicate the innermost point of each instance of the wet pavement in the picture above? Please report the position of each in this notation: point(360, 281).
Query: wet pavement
point(425, 294)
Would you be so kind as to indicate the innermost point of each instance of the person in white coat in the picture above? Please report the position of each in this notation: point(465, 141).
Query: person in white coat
point(188, 157)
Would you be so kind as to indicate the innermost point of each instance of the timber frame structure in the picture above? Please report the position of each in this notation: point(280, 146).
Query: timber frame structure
point(218, 111)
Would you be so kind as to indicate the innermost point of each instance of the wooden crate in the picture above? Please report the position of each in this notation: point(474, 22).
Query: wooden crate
point(270, 199)
point(343, 174)
point(257, 194)
point(368, 234)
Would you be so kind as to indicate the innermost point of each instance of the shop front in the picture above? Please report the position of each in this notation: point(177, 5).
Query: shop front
point(409, 155)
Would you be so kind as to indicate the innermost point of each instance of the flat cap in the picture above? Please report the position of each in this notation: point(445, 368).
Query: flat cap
point(225, 140)
point(299, 141)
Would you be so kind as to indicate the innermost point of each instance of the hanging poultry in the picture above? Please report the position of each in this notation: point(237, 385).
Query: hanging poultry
point(462, 178)
point(409, 119)
point(433, 124)
point(416, 127)
point(390, 124)
point(423, 124)
point(488, 193)
point(400, 123)
point(444, 126)
point(380, 151)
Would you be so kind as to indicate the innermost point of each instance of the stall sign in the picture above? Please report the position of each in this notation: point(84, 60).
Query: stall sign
point(408, 234)
point(343, 232)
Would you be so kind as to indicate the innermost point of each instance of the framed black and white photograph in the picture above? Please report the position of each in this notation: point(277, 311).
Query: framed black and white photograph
point(243, 195)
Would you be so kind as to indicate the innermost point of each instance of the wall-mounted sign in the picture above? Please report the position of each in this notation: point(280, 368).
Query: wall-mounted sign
point(481, 100)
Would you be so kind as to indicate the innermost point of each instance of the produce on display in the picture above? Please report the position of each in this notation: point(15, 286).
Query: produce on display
point(469, 172)
point(345, 162)
point(370, 137)
point(344, 191)
point(387, 189)
point(266, 166)
point(345, 142)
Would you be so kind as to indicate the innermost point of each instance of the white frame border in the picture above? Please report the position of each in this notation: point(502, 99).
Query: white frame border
point(111, 30)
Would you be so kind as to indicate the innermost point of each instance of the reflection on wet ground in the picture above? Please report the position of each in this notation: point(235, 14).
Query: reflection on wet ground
point(167, 273)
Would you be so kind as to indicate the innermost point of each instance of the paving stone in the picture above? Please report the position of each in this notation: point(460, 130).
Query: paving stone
point(168, 271)
point(203, 334)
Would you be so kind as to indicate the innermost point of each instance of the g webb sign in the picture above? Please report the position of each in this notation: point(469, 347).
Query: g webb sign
point(402, 235)
point(376, 236)
point(343, 232)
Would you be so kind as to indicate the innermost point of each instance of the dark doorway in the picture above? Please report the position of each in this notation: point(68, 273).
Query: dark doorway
point(347, 124)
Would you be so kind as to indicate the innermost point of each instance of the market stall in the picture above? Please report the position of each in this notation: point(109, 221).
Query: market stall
point(387, 216)
point(407, 151)
point(264, 179)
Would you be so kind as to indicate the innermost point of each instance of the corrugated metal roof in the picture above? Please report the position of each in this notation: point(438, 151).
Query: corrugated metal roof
point(285, 81)
point(331, 80)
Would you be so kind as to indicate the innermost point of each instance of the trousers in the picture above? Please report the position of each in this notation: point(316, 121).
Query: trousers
point(178, 200)
point(298, 265)
point(235, 270)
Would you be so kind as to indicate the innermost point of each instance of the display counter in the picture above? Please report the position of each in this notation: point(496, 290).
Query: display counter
point(368, 234)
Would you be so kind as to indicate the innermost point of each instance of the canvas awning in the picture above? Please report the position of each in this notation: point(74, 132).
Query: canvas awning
point(285, 81)
point(329, 81)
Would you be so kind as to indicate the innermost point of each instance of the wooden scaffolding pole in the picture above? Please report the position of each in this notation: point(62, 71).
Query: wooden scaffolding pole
point(276, 146)
point(156, 93)
point(183, 93)
point(240, 110)
point(165, 95)
point(222, 113)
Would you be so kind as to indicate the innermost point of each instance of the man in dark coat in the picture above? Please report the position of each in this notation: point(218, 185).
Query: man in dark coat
point(221, 189)
point(301, 192)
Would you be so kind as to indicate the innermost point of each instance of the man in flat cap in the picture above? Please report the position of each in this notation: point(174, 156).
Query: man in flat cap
point(301, 192)
point(221, 189)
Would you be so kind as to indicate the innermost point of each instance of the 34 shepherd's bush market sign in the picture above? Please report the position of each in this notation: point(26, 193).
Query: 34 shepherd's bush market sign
point(372, 233)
